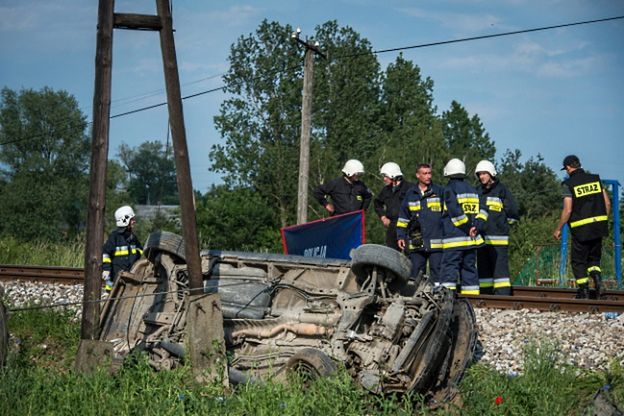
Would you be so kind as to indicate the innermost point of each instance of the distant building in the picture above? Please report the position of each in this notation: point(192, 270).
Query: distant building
point(149, 212)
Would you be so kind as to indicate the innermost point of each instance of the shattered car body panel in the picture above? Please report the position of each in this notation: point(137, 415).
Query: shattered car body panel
point(282, 312)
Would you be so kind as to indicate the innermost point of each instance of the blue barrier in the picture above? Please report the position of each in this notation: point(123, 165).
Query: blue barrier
point(332, 237)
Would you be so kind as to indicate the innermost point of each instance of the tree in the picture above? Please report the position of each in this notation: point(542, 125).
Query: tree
point(151, 173)
point(533, 184)
point(412, 131)
point(44, 156)
point(346, 101)
point(465, 136)
point(236, 219)
point(260, 123)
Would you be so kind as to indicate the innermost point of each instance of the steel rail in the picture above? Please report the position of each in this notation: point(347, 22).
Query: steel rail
point(524, 297)
point(48, 274)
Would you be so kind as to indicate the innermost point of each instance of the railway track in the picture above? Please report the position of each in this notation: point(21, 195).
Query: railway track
point(541, 298)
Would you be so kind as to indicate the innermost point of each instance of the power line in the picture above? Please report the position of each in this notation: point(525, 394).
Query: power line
point(423, 45)
point(496, 35)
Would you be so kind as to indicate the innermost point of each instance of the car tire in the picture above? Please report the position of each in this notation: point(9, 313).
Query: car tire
point(368, 255)
point(164, 241)
point(311, 364)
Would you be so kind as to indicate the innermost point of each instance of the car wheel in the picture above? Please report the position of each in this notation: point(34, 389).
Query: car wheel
point(367, 256)
point(164, 241)
point(310, 364)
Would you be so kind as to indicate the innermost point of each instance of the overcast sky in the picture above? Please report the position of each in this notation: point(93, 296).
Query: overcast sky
point(552, 92)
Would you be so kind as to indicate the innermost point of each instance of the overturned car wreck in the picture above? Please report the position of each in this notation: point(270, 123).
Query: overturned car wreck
point(281, 312)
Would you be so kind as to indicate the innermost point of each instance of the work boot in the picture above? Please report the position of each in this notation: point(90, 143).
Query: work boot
point(582, 292)
point(503, 291)
point(597, 284)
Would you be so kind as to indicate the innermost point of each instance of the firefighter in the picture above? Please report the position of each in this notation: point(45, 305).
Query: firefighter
point(493, 257)
point(348, 193)
point(586, 209)
point(462, 221)
point(122, 248)
point(419, 227)
point(388, 202)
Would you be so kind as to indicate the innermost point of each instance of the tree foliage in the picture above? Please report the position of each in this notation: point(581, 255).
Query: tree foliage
point(44, 156)
point(533, 184)
point(465, 136)
point(236, 219)
point(151, 177)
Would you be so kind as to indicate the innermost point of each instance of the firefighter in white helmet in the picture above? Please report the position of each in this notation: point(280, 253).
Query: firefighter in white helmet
point(122, 248)
point(461, 220)
point(388, 202)
point(502, 211)
point(346, 193)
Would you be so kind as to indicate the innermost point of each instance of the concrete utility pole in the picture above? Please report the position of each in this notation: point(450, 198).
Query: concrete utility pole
point(306, 126)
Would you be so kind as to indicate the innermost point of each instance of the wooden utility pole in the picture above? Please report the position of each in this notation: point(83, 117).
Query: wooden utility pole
point(180, 150)
point(204, 319)
point(97, 186)
point(306, 127)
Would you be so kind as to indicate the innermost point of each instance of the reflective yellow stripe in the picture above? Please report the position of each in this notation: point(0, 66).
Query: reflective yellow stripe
point(106, 260)
point(481, 216)
point(437, 245)
point(121, 253)
point(464, 243)
point(502, 284)
point(496, 242)
point(457, 221)
point(470, 292)
point(401, 224)
point(588, 221)
point(594, 269)
point(582, 280)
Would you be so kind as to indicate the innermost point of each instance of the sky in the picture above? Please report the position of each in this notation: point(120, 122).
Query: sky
point(550, 93)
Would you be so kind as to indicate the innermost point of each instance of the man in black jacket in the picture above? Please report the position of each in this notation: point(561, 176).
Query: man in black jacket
point(347, 193)
point(419, 227)
point(502, 211)
point(586, 208)
point(388, 202)
point(122, 248)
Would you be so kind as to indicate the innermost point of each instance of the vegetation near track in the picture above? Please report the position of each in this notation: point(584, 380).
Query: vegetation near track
point(39, 379)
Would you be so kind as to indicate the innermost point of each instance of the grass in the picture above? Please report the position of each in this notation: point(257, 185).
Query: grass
point(67, 254)
point(39, 379)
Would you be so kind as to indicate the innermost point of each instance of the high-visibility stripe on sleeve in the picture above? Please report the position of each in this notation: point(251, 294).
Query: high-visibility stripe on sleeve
point(106, 258)
point(457, 221)
point(590, 220)
point(482, 215)
point(402, 223)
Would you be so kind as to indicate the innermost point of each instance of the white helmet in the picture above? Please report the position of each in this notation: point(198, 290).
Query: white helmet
point(353, 167)
point(123, 216)
point(455, 167)
point(391, 170)
point(485, 166)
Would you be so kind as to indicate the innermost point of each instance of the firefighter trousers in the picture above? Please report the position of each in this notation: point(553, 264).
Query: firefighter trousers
point(585, 255)
point(493, 268)
point(419, 262)
point(460, 264)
